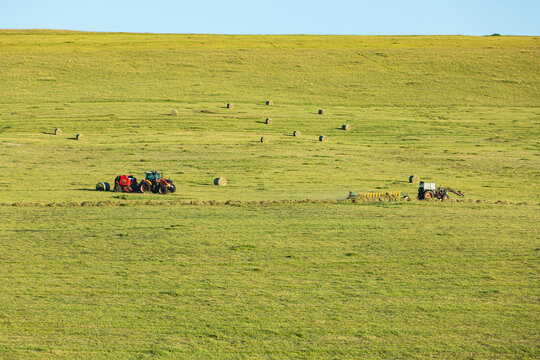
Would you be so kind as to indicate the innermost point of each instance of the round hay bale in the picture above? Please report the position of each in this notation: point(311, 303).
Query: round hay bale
point(263, 139)
point(297, 133)
point(322, 111)
point(323, 138)
point(413, 179)
point(269, 102)
point(220, 181)
point(79, 136)
point(103, 186)
point(269, 121)
point(57, 131)
point(174, 112)
point(345, 127)
point(230, 106)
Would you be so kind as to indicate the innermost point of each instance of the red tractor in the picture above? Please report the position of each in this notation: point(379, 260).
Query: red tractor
point(153, 182)
point(156, 183)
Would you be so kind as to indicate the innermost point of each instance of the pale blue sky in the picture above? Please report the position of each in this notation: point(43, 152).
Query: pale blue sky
point(472, 17)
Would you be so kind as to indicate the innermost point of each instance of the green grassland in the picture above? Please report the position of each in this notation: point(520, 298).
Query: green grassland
point(302, 281)
point(143, 276)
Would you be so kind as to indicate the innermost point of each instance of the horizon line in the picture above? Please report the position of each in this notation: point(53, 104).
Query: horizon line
point(247, 34)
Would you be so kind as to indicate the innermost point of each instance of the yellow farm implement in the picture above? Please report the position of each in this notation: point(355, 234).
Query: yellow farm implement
point(376, 194)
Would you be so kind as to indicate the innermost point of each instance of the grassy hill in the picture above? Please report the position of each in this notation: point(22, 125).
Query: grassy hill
point(459, 110)
point(89, 274)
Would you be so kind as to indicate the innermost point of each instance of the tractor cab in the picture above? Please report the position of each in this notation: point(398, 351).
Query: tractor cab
point(426, 186)
point(152, 176)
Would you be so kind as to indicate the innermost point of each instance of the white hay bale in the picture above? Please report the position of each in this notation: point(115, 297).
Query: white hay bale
point(264, 139)
point(230, 106)
point(79, 136)
point(345, 127)
point(57, 131)
point(269, 102)
point(323, 138)
point(220, 181)
point(322, 111)
point(174, 112)
point(297, 133)
point(269, 121)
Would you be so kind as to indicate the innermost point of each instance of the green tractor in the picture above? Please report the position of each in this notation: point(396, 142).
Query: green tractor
point(156, 183)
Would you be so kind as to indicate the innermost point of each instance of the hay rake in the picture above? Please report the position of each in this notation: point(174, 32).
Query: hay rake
point(375, 194)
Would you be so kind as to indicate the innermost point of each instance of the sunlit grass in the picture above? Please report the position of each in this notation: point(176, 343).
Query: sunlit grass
point(87, 274)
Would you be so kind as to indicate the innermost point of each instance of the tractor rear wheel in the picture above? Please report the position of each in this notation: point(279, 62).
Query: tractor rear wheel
point(163, 189)
point(172, 189)
point(145, 186)
point(428, 194)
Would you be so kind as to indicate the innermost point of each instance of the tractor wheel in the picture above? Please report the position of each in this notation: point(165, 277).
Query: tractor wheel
point(117, 188)
point(428, 194)
point(172, 189)
point(445, 197)
point(163, 189)
point(145, 186)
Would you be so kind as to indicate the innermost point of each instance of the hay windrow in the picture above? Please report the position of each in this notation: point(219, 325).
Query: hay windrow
point(385, 198)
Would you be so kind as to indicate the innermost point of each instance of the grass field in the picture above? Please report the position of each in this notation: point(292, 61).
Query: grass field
point(302, 281)
point(143, 276)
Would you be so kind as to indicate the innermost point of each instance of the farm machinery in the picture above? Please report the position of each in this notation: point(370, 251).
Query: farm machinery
point(153, 182)
point(156, 183)
point(428, 190)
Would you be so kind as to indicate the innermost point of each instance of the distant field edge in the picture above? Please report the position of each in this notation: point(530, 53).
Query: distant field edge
point(96, 32)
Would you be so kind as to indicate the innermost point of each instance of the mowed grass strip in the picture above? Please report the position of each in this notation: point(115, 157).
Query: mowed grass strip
point(317, 281)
